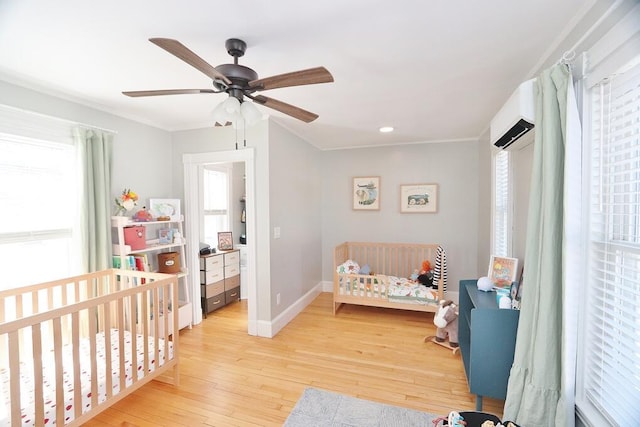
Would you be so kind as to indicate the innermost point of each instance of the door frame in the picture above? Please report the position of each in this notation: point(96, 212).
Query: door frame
point(192, 163)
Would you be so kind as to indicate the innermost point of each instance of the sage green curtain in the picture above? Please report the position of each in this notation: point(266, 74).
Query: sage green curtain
point(95, 151)
point(534, 395)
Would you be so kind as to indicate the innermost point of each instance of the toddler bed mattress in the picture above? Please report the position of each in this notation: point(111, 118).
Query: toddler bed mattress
point(394, 289)
point(27, 381)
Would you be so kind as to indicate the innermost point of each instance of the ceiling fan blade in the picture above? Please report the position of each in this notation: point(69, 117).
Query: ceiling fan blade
point(137, 93)
point(296, 78)
point(176, 48)
point(283, 107)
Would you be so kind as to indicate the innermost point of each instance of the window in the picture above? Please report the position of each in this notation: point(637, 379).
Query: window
point(502, 205)
point(609, 362)
point(39, 197)
point(215, 202)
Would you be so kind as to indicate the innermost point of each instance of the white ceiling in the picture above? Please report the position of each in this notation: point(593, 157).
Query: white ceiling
point(436, 70)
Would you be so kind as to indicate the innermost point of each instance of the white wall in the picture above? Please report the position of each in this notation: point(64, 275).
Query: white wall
point(295, 206)
point(453, 166)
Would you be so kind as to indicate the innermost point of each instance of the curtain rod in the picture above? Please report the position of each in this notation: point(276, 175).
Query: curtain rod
point(570, 54)
point(72, 122)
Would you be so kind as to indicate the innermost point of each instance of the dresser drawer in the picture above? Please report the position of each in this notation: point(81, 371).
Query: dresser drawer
point(232, 295)
point(231, 282)
point(211, 276)
point(232, 258)
point(213, 289)
point(231, 270)
point(215, 302)
point(211, 262)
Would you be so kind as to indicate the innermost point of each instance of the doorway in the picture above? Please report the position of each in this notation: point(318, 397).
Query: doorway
point(193, 165)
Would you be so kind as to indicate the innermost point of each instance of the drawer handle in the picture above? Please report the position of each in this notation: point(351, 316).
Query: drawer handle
point(217, 302)
point(234, 294)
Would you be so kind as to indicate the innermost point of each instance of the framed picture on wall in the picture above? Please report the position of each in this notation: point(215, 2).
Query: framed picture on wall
point(419, 198)
point(165, 209)
point(366, 193)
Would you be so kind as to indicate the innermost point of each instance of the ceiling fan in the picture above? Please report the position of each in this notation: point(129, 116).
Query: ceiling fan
point(239, 81)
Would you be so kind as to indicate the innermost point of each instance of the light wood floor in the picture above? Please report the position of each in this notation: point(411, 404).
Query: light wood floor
point(228, 378)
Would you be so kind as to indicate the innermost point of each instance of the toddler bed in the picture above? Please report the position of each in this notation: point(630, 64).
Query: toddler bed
point(71, 348)
point(384, 275)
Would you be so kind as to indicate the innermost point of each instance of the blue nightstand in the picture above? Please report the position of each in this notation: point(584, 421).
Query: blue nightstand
point(487, 337)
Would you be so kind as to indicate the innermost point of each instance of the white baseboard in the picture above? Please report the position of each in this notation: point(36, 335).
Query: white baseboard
point(270, 329)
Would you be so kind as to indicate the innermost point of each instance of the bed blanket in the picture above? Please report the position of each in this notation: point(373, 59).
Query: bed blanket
point(409, 291)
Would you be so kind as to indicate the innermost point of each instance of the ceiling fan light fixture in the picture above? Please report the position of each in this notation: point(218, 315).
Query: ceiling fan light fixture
point(232, 105)
point(386, 129)
point(232, 111)
point(250, 113)
point(220, 114)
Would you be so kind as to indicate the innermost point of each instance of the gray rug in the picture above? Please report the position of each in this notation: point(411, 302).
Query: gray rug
point(325, 408)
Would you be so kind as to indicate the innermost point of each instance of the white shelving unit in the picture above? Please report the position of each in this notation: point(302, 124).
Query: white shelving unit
point(153, 247)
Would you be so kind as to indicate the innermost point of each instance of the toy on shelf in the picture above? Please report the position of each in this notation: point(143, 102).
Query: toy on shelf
point(446, 321)
point(142, 215)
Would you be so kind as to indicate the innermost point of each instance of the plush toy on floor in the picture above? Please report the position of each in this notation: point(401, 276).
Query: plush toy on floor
point(446, 320)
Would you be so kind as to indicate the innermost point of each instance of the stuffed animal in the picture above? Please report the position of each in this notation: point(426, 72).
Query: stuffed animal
point(142, 215)
point(426, 267)
point(446, 319)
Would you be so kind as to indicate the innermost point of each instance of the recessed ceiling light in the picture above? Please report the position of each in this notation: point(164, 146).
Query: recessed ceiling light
point(386, 129)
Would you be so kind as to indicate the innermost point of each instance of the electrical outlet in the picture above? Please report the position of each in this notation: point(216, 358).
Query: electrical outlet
point(278, 299)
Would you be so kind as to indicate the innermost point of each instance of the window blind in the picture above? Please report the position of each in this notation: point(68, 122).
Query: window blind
point(38, 195)
point(502, 205)
point(612, 337)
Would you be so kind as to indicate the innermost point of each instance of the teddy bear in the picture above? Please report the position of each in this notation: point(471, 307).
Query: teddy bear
point(446, 320)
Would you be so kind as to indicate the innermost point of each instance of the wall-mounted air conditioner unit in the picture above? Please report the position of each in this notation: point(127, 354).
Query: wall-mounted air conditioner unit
point(515, 118)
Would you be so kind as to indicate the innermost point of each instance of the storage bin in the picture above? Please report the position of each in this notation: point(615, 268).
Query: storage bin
point(136, 237)
point(169, 262)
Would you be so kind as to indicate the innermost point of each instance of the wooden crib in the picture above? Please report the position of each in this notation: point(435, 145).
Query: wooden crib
point(387, 262)
point(70, 348)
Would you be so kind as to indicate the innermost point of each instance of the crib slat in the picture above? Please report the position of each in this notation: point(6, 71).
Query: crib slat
point(38, 389)
point(134, 338)
point(57, 351)
point(14, 381)
point(106, 329)
point(156, 321)
point(145, 330)
point(77, 384)
point(93, 330)
point(120, 314)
